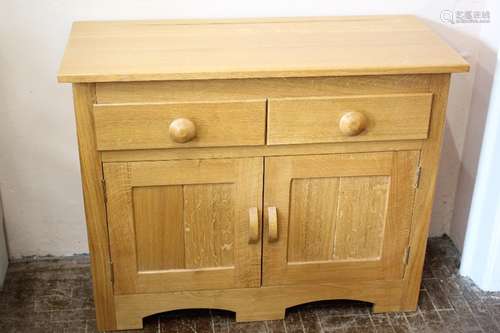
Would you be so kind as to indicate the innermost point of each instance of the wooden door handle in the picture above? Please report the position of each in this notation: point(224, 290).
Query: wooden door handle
point(272, 223)
point(182, 130)
point(353, 123)
point(253, 225)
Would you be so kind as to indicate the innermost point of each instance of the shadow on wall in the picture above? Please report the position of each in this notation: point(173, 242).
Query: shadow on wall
point(459, 102)
point(485, 69)
point(459, 158)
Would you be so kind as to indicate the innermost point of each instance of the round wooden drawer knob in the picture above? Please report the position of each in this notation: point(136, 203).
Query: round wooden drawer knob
point(353, 123)
point(182, 130)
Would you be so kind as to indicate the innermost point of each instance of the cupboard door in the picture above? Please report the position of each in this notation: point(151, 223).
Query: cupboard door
point(341, 217)
point(184, 225)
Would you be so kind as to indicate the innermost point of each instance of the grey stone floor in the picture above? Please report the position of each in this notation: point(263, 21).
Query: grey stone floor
point(56, 296)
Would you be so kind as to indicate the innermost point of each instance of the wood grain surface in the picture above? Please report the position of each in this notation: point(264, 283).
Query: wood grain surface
point(286, 47)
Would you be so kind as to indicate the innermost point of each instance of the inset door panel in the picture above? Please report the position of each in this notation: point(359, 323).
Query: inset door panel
point(184, 225)
point(339, 217)
point(189, 226)
point(350, 227)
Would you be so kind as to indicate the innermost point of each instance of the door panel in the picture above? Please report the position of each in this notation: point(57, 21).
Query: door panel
point(208, 222)
point(160, 235)
point(361, 218)
point(340, 217)
point(319, 230)
point(183, 225)
point(311, 228)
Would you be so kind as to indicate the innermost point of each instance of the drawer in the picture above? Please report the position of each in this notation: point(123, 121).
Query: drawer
point(348, 118)
point(175, 125)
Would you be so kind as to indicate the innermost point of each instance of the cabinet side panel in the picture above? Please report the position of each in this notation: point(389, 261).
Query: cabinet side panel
point(424, 196)
point(95, 210)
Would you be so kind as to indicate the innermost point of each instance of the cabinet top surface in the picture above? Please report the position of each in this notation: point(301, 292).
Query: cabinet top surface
point(254, 48)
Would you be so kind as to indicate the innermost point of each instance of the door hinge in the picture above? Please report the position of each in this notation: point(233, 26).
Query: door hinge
point(418, 176)
point(406, 257)
point(103, 183)
point(112, 270)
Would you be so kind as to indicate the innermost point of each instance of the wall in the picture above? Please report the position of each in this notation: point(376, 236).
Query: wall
point(486, 63)
point(482, 228)
point(39, 172)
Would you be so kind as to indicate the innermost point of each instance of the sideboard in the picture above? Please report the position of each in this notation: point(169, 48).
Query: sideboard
point(254, 165)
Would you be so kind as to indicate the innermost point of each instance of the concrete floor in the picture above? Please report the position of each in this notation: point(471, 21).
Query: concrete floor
point(56, 296)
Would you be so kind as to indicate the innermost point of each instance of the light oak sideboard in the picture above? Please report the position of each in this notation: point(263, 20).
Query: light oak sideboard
point(254, 165)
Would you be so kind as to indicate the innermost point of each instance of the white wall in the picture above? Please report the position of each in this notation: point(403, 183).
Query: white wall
point(39, 173)
point(483, 227)
point(483, 223)
point(486, 62)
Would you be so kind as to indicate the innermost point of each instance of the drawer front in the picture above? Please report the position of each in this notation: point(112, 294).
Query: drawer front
point(177, 125)
point(348, 118)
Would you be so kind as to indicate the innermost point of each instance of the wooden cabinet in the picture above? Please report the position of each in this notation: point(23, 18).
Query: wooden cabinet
point(252, 166)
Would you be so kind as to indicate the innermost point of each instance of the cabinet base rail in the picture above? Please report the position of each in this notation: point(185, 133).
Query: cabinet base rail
point(254, 304)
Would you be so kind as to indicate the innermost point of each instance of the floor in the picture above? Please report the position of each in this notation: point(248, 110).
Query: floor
point(56, 296)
